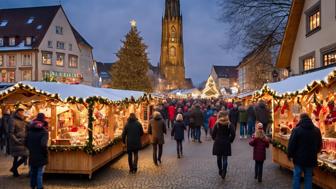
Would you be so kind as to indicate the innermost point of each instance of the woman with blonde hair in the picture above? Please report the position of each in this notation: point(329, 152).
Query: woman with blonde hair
point(259, 142)
point(178, 133)
point(223, 134)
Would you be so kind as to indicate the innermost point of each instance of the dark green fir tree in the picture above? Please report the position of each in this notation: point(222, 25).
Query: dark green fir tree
point(131, 69)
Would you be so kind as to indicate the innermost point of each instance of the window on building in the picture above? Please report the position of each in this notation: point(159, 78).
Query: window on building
point(1, 42)
point(60, 45)
point(59, 30)
point(26, 60)
point(73, 61)
point(173, 34)
point(30, 20)
point(308, 63)
point(60, 59)
point(50, 44)
point(329, 58)
point(26, 75)
point(11, 61)
point(172, 51)
point(12, 41)
point(3, 23)
point(28, 41)
point(70, 47)
point(46, 58)
point(3, 76)
point(1, 60)
point(314, 18)
point(11, 77)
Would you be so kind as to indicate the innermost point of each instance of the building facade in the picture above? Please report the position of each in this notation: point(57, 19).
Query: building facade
point(39, 43)
point(225, 76)
point(309, 41)
point(255, 70)
point(172, 70)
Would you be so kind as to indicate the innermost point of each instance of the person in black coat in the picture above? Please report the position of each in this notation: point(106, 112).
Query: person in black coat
point(234, 116)
point(178, 133)
point(197, 121)
point(304, 144)
point(5, 123)
point(37, 144)
point(131, 136)
point(223, 135)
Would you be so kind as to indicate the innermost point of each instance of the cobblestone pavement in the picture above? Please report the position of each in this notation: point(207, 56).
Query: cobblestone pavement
point(197, 169)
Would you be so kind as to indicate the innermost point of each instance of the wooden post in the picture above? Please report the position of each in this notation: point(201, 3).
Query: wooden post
point(53, 122)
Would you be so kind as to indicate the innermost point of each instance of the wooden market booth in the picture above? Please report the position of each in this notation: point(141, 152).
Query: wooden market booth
point(85, 123)
point(313, 93)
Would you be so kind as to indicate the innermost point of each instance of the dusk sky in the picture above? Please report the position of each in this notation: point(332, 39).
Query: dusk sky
point(104, 24)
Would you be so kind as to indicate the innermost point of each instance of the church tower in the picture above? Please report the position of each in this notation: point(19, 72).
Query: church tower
point(172, 56)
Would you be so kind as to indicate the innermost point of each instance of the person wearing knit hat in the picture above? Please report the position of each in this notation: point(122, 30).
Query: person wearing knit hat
point(157, 129)
point(223, 134)
point(178, 133)
point(259, 143)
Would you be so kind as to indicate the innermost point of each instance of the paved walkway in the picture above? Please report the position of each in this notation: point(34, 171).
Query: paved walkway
point(196, 170)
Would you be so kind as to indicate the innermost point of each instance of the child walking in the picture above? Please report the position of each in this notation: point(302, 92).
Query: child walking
point(178, 134)
point(259, 142)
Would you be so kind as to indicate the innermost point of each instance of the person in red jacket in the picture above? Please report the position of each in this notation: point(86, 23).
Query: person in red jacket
point(212, 121)
point(259, 142)
point(171, 115)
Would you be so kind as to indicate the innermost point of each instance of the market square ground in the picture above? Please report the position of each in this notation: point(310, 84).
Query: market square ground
point(196, 170)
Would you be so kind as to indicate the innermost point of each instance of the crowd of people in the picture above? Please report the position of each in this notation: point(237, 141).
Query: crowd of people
point(218, 118)
point(26, 142)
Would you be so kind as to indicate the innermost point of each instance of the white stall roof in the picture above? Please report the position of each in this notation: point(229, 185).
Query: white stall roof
point(82, 91)
point(299, 83)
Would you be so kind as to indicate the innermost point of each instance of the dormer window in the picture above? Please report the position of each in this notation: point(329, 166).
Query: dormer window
point(28, 41)
point(1, 42)
point(30, 20)
point(3, 23)
point(39, 27)
point(12, 41)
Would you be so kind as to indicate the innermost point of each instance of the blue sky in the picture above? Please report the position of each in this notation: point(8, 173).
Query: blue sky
point(104, 24)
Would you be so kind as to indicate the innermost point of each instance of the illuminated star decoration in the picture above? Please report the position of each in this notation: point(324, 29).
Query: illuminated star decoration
point(133, 23)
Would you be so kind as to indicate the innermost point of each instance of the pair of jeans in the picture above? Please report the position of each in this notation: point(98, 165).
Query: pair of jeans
point(157, 154)
point(198, 133)
point(308, 177)
point(179, 147)
point(18, 162)
point(243, 129)
point(191, 133)
point(133, 160)
point(251, 127)
point(222, 163)
point(36, 176)
point(258, 170)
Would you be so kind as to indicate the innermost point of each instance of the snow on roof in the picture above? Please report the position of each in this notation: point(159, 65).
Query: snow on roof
point(243, 95)
point(82, 91)
point(299, 83)
point(20, 46)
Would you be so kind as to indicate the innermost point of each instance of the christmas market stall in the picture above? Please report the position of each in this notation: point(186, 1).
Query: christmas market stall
point(85, 123)
point(315, 94)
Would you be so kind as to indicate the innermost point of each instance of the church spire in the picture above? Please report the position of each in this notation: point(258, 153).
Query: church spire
point(172, 8)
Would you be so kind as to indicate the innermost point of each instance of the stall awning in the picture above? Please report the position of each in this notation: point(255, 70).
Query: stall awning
point(65, 91)
point(298, 84)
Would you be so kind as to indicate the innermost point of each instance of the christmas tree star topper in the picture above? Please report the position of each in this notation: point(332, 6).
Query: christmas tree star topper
point(133, 23)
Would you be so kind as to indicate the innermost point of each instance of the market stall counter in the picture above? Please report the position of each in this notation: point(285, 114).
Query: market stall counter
point(312, 93)
point(85, 123)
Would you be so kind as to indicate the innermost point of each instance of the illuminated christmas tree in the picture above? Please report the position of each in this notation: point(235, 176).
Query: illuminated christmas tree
point(131, 69)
